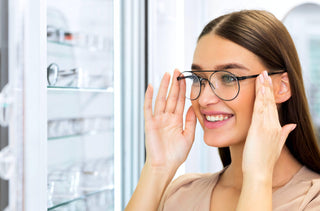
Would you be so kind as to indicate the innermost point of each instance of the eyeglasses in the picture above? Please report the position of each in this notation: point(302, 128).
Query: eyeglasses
point(223, 83)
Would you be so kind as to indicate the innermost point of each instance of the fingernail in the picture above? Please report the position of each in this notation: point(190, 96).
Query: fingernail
point(265, 74)
point(293, 127)
point(261, 78)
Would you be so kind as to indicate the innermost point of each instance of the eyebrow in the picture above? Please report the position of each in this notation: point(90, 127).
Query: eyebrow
point(221, 66)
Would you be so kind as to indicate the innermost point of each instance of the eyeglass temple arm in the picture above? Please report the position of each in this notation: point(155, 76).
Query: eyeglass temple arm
point(254, 76)
point(183, 77)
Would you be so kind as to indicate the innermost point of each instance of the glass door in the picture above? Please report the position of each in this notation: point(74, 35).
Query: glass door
point(80, 104)
point(12, 68)
point(3, 81)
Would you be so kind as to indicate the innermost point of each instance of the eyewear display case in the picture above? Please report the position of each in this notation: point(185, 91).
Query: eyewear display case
point(71, 113)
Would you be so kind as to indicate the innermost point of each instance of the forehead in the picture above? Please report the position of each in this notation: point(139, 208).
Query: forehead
point(213, 51)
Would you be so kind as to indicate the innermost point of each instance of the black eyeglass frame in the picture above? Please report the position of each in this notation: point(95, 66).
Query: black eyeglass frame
point(239, 78)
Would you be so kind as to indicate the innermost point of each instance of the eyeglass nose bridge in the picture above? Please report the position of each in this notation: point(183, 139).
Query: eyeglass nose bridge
point(208, 81)
point(210, 84)
point(213, 89)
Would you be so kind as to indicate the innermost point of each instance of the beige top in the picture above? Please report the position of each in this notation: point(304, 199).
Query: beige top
point(193, 192)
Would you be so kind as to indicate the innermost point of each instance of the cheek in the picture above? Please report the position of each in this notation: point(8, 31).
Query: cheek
point(244, 108)
point(196, 109)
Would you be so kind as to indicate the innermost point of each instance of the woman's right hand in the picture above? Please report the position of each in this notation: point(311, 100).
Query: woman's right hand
point(167, 143)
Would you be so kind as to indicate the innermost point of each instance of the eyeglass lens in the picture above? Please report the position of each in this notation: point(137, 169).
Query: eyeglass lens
point(223, 84)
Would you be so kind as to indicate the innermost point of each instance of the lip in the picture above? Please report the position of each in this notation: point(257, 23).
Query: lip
point(213, 125)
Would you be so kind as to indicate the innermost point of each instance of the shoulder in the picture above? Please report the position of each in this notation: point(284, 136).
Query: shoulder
point(189, 181)
point(302, 192)
point(308, 174)
point(312, 198)
point(188, 186)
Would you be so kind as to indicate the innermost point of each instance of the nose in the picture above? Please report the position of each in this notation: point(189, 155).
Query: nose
point(207, 96)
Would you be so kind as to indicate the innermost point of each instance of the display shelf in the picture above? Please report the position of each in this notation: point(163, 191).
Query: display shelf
point(77, 46)
point(84, 197)
point(79, 89)
point(61, 43)
point(91, 133)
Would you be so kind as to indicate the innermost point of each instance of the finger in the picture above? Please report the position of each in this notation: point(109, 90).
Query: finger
point(270, 104)
point(259, 100)
point(173, 93)
point(190, 124)
point(286, 130)
point(264, 102)
point(182, 98)
point(160, 103)
point(148, 103)
point(269, 87)
point(260, 90)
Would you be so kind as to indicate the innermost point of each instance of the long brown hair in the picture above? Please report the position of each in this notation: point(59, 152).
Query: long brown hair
point(264, 35)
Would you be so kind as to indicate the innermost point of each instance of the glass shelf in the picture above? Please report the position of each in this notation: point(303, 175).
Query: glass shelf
point(84, 197)
point(62, 43)
point(87, 48)
point(80, 89)
point(91, 133)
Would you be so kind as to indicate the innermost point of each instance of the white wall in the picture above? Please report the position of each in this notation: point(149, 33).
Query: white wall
point(278, 7)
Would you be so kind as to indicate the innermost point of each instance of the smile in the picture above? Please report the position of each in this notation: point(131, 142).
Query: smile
point(217, 118)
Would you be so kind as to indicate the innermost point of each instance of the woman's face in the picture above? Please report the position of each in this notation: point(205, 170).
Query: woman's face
point(225, 123)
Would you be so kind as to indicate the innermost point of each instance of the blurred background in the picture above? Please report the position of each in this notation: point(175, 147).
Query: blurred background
point(72, 80)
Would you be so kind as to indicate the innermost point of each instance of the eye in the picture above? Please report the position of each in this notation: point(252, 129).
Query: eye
point(227, 79)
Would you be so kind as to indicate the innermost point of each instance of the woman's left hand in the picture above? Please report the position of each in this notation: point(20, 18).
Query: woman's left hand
point(266, 137)
point(262, 149)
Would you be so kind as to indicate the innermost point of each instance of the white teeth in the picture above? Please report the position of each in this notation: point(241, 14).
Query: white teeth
point(215, 118)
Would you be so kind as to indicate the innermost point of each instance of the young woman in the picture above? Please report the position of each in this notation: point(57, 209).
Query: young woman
point(247, 92)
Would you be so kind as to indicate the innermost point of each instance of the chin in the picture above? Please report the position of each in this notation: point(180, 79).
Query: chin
point(219, 141)
point(215, 142)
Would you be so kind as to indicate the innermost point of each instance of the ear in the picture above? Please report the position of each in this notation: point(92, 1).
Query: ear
point(281, 88)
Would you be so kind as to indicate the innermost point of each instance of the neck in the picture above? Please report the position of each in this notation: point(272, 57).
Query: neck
point(285, 168)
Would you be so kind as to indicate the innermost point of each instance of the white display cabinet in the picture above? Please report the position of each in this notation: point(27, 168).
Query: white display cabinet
point(72, 104)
